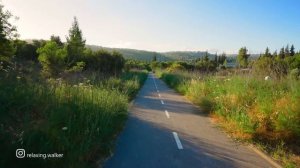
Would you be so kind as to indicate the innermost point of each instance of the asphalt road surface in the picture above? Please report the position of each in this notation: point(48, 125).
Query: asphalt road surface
point(166, 130)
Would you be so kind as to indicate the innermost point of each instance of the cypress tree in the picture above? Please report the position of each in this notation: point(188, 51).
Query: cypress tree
point(287, 51)
point(267, 53)
point(75, 44)
point(281, 53)
point(292, 50)
point(275, 54)
point(206, 59)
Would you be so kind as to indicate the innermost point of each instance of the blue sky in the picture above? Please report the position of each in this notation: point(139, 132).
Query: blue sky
point(165, 25)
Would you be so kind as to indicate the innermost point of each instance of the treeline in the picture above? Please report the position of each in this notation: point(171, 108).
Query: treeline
point(277, 65)
point(54, 56)
point(203, 64)
point(136, 65)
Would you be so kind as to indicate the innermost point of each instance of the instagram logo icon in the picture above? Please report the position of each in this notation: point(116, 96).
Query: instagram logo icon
point(20, 153)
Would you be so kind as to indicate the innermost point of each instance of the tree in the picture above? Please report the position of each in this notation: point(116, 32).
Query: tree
point(8, 32)
point(75, 44)
point(154, 63)
point(267, 53)
point(154, 58)
point(275, 55)
point(39, 43)
point(242, 57)
point(25, 51)
point(292, 50)
point(222, 59)
point(287, 51)
point(225, 63)
point(57, 40)
point(216, 59)
point(51, 57)
point(281, 53)
point(206, 59)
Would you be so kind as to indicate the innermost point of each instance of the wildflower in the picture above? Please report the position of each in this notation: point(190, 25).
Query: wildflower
point(64, 128)
point(267, 78)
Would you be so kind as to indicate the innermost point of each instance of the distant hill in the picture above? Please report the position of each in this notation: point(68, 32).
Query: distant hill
point(161, 56)
point(187, 55)
point(134, 54)
point(148, 55)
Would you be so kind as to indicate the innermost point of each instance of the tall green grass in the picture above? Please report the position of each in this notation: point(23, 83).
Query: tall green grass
point(251, 108)
point(79, 121)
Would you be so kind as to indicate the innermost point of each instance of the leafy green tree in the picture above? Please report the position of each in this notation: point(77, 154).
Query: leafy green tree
point(52, 58)
point(204, 64)
point(175, 66)
point(105, 62)
point(242, 57)
point(57, 40)
point(8, 32)
point(39, 43)
point(25, 51)
point(75, 44)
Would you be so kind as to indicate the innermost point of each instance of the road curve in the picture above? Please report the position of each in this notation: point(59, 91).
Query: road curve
point(165, 130)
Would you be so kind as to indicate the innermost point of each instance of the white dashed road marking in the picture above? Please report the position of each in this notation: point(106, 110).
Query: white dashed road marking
point(179, 145)
point(167, 113)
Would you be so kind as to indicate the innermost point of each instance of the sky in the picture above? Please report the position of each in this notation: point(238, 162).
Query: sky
point(165, 25)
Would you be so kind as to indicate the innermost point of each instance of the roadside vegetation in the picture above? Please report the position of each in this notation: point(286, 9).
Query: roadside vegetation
point(65, 97)
point(257, 101)
point(61, 98)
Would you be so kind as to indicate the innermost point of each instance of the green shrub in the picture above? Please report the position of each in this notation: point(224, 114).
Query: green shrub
point(295, 74)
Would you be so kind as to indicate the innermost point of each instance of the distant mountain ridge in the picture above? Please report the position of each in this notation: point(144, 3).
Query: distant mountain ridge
point(133, 53)
point(162, 56)
point(144, 55)
point(148, 55)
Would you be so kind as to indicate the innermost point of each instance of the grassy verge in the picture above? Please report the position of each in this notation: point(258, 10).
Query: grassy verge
point(79, 121)
point(266, 113)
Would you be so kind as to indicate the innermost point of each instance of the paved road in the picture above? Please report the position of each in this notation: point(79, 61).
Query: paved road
point(165, 130)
